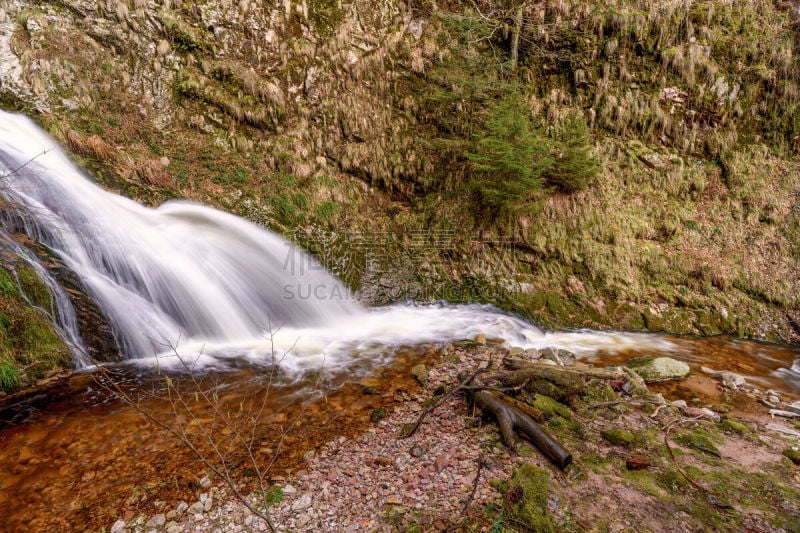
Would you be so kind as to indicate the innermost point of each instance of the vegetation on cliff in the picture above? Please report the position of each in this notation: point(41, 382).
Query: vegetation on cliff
point(660, 193)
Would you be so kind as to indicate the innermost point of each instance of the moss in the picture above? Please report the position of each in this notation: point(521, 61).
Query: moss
point(34, 288)
point(551, 408)
point(378, 414)
point(792, 454)
point(527, 496)
point(698, 440)
point(619, 437)
point(733, 426)
point(10, 379)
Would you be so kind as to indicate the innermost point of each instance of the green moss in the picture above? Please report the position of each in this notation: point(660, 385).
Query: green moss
point(619, 437)
point(733, 426)
point(274, 495)
point(10, 379)
point(378, 414)
point(34, 288)
point(528, 497)
point(793, 454)
point(551, 408)
point(699, 440)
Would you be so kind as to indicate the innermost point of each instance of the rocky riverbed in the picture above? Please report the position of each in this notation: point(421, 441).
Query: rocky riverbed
point(723, 457)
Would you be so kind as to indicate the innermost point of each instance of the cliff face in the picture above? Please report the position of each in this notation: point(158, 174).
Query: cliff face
point(350, 122)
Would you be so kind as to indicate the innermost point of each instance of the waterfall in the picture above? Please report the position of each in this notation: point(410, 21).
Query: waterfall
point(191, 278)
point(182, 271)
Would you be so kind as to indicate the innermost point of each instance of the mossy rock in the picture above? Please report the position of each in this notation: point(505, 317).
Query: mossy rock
point(619, 437)
point(527, 498)
point(733, 426)
point(551, 408)
point(657, 369)
point(698, 440)
point(792, 454)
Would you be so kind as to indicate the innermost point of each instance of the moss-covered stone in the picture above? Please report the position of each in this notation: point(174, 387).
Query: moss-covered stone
point(619, 437)
point(527, 497)
point(698, 440)
point(658, 369)
point(734, 426)
point(551, 408)
point(793, 454)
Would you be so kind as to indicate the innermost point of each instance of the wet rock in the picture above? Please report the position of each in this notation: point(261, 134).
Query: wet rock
point(156, 522)
point(118, 527)
point(480, 339)
point(559, 357)
point(421, 373)
point(728, 379)
point(378, 414)
point(657, 369)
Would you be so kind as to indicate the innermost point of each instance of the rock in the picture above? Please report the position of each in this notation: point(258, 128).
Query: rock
point(378, 414)
point(703, 412)
point(118, 527)
point(544, 361)
point(172, 515)
point(303, 503)
point(208, 503)
point(793, 454)
point(637, 462)
point(728, 379)
point(196, 508)
point(516, 351)
point(559, 357)
point(205, 482)
point(302, 520)
point(421, 373)
point(657, 369)
point(793, 407)
point(416, 451)
point(181, 508)
point(289, 490)
point(308, 456)
point(784, 414)
point(174, 527)
point(156, 522)
point(533, 354)
point(383, 461)
point(480, 339)
point(783, 430)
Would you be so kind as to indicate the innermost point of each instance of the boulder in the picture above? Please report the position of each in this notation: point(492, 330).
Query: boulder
point(657, 369)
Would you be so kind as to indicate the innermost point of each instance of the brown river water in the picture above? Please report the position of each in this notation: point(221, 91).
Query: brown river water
point(76, 458)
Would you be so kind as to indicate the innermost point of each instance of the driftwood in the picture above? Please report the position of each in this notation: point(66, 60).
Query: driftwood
point(510, 418)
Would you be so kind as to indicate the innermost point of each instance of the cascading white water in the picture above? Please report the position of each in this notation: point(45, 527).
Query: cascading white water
point(182, 270)
point(216, 287)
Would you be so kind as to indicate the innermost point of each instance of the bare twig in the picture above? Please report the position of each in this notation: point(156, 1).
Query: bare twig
point(428, 410)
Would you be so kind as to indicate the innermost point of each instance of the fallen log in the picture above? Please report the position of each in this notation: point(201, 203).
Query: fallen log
point(510, 418)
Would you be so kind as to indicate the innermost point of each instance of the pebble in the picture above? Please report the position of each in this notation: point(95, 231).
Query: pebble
point(118, 527)
point(205, 482)
point(156, 522)
point(196, 508)
point(303, 503)
point(288, 490)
